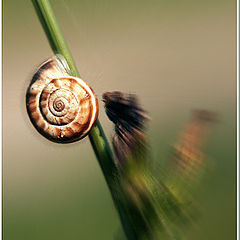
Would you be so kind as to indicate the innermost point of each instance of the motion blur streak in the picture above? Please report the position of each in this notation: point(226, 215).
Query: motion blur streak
point(157, 206)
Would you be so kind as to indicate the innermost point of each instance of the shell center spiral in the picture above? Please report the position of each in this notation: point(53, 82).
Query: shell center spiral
point(58, 105)
point(59, 102)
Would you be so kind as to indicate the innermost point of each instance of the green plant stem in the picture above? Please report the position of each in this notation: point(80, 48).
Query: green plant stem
point(97, 137)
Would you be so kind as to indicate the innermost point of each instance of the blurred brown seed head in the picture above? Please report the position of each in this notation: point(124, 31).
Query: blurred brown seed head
point(130, 120)
point(188, 155)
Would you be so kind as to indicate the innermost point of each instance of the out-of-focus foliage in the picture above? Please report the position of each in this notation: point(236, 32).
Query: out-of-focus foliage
point(156, 205)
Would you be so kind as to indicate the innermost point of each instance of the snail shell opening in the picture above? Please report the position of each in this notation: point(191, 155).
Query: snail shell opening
point(63, 108)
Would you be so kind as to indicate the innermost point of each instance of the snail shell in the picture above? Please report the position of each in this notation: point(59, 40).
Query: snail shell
point(63, 108)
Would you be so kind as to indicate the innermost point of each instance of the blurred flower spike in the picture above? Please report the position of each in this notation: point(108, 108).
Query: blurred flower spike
point(157, 204)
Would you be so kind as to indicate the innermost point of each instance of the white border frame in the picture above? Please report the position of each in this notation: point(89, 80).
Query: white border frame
point(1, 212)
point(237, 119)
point(1, 186)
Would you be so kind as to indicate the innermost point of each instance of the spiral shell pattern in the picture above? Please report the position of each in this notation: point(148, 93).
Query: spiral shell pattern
point(63, 108)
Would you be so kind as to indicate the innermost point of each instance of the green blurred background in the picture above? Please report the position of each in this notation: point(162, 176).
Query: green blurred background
point(175, 55)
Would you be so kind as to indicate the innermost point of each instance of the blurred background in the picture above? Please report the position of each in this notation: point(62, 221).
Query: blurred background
point(175, 55)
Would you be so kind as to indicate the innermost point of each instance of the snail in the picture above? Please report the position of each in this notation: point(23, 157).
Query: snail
point(62, 108)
